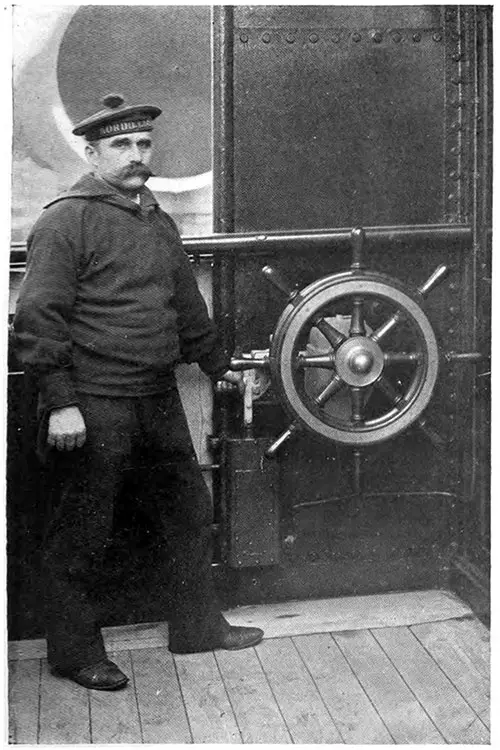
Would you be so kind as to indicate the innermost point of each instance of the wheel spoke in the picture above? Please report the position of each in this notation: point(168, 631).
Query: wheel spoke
point(435, 438)
point(331, 389)
point(389, 391)
point(286, 435)
point(397, 358)
point(325, 361)
point(386, 327)
point(357, 403)
point(331, 334)
point(357, 321)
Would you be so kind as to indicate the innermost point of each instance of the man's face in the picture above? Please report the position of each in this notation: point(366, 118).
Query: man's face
point(122, 160)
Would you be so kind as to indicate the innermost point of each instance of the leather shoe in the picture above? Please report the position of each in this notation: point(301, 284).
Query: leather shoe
point(231, 638)
point(104, 675)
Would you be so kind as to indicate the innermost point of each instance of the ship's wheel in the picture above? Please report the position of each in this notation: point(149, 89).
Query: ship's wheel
point(354, 358)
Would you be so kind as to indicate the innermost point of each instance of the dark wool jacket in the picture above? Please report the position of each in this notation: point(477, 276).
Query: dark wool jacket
point(109, 303)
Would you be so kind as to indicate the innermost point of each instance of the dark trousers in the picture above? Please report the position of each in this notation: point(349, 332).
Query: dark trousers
point(175, 498)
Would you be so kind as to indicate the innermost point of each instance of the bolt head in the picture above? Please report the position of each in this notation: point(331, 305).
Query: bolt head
point(361, 362)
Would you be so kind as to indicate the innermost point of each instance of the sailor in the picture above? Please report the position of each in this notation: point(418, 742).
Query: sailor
point(108, 307)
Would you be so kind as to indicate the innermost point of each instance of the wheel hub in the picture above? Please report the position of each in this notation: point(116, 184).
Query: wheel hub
point(359, 361)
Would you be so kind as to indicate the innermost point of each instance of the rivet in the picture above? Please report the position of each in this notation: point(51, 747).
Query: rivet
point(356, 37)
point(457, 56)
point(437, 37)
point(336, 38)
point(453, 396)
point(290, 38)
point(244, 38)
point(266, 38)
point(452, 310)
point(455, 150)
point(454, 175)
point(417, 37)
point(377, 37)
point(451, 196)
point(455, 125)
point(396, 37)
point(313, 38)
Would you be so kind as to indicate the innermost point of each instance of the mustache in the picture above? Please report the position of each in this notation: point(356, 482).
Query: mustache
point(138, 169)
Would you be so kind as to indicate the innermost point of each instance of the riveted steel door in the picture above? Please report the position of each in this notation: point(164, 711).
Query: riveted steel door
point(329, 118)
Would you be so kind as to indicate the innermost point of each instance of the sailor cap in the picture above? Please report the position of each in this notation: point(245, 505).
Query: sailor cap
point(117, 119)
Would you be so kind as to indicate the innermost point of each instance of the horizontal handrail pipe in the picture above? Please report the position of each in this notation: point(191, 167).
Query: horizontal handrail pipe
point(268, 243)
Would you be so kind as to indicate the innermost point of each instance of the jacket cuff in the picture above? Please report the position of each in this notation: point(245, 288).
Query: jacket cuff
point(57, 390)
point(214, 364)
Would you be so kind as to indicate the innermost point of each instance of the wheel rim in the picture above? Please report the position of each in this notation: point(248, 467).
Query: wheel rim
point(358, 362)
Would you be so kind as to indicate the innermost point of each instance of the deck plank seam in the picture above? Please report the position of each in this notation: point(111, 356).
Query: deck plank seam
point(134, 684)
point(186, 712)
point(274, 696)
point(449, 678)
point(39, 724)
point(317, 689)
point(228, 695)
point(89, 704)
point(445, 740)
point(362, 686)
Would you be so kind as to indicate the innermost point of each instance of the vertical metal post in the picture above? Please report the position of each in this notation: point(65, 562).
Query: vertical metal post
point(481, 138)
point(223, 222)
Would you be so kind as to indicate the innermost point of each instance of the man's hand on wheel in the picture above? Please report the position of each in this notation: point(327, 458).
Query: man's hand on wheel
point(231, 378)
point(66, 428)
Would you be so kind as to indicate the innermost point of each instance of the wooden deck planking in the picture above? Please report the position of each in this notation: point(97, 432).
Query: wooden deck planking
point(458, 666)
point(452, 715)
point(352, 711)
point(257, 713)
point(64, 711)
point(421, 682)
point(24, 692)
point(473, 638)
point(114, 716)
point(398, 708)
point(210, 714)
point(301, 705)
point(161, 708)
